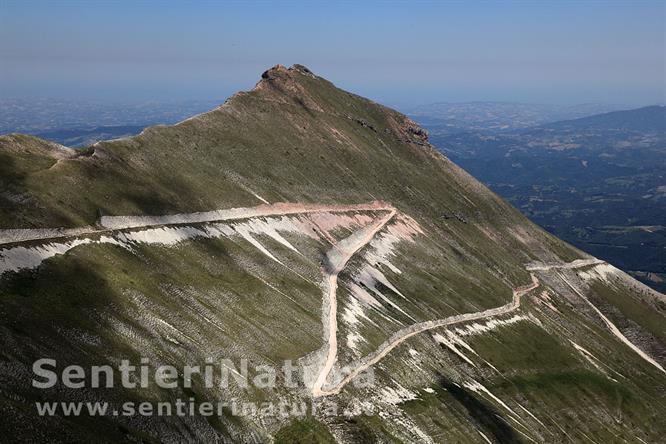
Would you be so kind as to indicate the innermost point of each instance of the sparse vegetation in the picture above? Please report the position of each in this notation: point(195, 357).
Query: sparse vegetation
point(297, 138)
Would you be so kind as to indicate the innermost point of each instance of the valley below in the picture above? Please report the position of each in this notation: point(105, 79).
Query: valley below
point(596, 182)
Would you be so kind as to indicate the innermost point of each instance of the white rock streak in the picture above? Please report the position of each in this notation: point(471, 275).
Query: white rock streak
point(613, 329)
point(578, 263)
point(402, 335)
point(108, 224)
point(589, 357)
point(30, 247)
point(277, 209)
point(451, 346)
point(336, 259)
point(477, 387)
point(602, 270)
point(30, 257)
point(39, 234)
point(171, 229)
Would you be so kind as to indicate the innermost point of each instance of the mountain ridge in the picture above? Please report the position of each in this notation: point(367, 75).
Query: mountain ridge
point(647, 118)
point(473, 320)
point(277, 87)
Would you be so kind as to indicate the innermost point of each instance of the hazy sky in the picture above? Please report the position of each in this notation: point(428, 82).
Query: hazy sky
point(399, 53)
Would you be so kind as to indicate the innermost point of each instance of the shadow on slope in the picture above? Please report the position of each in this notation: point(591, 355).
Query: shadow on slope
point(481, 413)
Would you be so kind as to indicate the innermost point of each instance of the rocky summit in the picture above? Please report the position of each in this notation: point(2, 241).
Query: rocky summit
point(301, 265)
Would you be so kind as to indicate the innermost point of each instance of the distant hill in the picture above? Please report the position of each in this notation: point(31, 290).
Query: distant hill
point(448, 118)
point(597, 182)
point(80, 137)
point(646, 119)
point(36, 116)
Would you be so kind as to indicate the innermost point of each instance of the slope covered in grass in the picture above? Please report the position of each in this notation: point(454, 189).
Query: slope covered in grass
point(182, 290)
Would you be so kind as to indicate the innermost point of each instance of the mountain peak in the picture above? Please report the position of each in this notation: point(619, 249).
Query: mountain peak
point(275, 71)
point(298, 85)
point(302, 225)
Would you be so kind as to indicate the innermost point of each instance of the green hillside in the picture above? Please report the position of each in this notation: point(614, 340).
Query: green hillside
point(342, 237)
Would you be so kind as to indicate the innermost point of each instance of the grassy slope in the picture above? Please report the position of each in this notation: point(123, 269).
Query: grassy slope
point(292, 138)
point(295, 137)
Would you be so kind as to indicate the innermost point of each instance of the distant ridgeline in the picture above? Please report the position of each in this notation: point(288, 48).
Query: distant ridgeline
point(598, 182)
point(77, 138)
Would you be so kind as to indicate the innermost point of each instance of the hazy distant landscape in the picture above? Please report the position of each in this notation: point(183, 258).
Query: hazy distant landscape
point(597, 181)
point(450, 118)
point(78, 123)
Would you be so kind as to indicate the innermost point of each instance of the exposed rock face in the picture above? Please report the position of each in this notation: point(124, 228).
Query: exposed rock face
point(301, 222)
